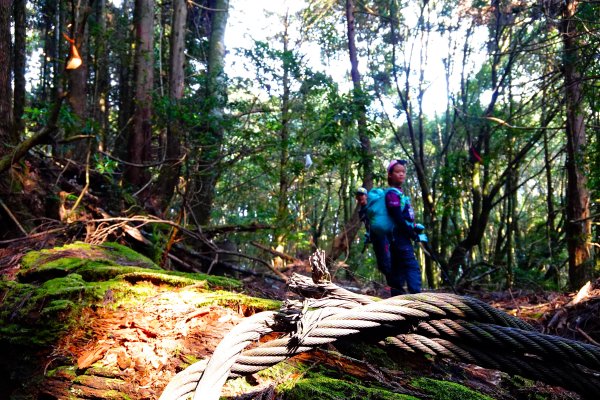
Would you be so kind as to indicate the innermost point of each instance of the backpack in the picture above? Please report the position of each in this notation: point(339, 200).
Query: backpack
point(379, 219)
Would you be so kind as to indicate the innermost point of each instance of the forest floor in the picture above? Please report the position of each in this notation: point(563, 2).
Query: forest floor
point(127, 351)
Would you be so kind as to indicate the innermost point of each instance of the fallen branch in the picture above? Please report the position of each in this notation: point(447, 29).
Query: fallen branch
point(276, 253)
point(216, 230)
point(41, 137)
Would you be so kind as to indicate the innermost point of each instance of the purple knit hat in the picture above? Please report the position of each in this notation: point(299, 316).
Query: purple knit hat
point(393, 163)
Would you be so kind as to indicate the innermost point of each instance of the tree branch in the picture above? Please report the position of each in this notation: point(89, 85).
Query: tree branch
point(7, 161)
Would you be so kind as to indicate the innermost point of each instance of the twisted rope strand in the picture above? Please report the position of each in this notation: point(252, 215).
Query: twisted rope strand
point(439, 324)
point(399, 312)
point(208, 376)
point(515, 340)
point(560, 372)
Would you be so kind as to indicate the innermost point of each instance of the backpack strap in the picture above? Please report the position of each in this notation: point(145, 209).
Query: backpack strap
point(400, 194)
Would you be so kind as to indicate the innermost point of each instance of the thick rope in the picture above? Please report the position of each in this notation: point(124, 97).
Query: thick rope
point(440, 324)
point(207, 378)
point(518, 341)
point(397, 313)
point(558, 372)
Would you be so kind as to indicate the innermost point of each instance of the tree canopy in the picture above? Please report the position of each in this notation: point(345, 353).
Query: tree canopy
point(146, 116)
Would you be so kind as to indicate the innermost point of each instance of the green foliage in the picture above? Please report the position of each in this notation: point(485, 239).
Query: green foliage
point(35, 116)
point(105, 165)
point(260, 170)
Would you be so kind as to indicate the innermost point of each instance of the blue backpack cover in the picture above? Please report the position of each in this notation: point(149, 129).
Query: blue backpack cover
point(379, 219)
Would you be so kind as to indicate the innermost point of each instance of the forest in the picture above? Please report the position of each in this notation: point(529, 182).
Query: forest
point(217, 138)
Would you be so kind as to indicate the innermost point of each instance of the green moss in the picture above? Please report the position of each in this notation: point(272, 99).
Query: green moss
point(66, 371)
point(214, 282)
point(106, 394)
point(325, 388)
point(163, 278)
point(443, 390)
point(37, 265)
point(362, 350)
point(58, 306)
point(237, 300)
point(57, 284)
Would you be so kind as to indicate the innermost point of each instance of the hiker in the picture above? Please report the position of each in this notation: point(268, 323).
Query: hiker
point(361, 202)
point(393, 244)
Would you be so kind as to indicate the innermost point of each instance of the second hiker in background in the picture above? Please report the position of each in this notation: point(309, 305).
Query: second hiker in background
point(361, 203)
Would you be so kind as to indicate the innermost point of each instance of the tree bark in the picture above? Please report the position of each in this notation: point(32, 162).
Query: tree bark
point(125, 91)
point(101, 106)
point(209, 160)
point(7, 131)
point(139, 150)
point(77, 78)
point(169, 173)
point(341, 242)
point(578, 224)
point(19, 65)
point(284, 139)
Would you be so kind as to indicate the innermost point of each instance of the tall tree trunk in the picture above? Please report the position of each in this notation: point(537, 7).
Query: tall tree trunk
point(77, 78)
point(7, 131)
point(551, 233)
point(125, 68)
point(420, 163)
point(101, 107)
point(216, 93)
point(578, 224)
point(19, 65)
point(482, 192)
point(53, 21)
point(139, 147)
point(169, 173)
point(341, 243)
point(284, 133)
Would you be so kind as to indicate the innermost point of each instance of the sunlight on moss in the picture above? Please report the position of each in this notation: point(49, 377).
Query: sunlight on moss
point(73, 255)
point(237, 300)
point(58, 283)
point(325, 388)
point(443, 390)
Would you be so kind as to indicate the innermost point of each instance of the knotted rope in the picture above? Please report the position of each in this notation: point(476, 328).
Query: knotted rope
point(440, 324)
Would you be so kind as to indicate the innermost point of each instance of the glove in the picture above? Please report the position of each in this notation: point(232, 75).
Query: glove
point(422, 238)
point(418, 228)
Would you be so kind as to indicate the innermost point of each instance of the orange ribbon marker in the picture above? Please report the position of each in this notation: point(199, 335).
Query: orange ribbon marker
point(74, 60)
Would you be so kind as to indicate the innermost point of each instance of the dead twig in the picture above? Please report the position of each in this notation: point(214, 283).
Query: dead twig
point(276, 253)
point(12, 216)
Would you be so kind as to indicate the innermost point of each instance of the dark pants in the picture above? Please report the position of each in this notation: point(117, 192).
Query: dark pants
point(397, 262)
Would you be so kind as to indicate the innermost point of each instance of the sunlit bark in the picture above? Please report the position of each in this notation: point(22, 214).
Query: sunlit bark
point(19, 65)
